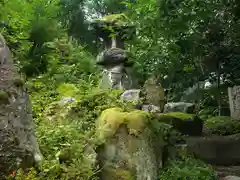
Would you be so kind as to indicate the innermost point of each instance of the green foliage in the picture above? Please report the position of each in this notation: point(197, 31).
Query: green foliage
point(62, 140)
point(182, 39)
point(222, 125)
point(188, 168)
point(116, 19)
point(67, 90)
point(185, 40)
point(69, 61)
point(21, 175)
point(89, 108)
point(206, 113)
point(62, 144)
point(27, 26)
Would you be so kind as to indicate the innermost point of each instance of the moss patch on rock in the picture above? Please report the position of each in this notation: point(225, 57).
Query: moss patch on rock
point(114, 24)
point(136, 121)
point(119, 174)
point(111, 119)
point(222, 125)
point(132, 140)
point(187, 124)
point(3, 96)
point(180, 115)
point(114, 19)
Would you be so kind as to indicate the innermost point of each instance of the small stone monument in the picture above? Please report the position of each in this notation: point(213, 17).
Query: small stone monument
point(114, 29)
point(154, 93)
point(234, 101)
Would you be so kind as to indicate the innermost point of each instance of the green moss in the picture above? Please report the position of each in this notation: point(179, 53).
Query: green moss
point(180, 115)
point(111, 119)
point(67, 90)
point(136, 121)
point(116, 19)
point(3, 95)
point(222, 125)
point(120, 174)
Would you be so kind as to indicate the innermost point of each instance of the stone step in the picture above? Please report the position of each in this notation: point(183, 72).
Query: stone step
point(223, 171)
point(217, 150)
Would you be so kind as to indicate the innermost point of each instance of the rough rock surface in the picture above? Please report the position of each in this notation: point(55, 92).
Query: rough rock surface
point(131, 95)
point(216, 150)
point(151, 108)
point(179, 107)
point(112, 56)
point(17, 139)
point(231, 178)
point(153, 93)
point(129, 151)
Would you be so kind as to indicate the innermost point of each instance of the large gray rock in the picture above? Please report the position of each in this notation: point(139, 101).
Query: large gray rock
point(66, 100)
point(18, 143)
point(132, 95)
point(112, 56)
point(128, 149)
point(179, 107)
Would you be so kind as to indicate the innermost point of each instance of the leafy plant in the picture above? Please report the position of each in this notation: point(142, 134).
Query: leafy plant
point(223, 125)
point(188, 168)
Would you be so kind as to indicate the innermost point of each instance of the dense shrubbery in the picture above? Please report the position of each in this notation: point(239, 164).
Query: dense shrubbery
point(223, 125)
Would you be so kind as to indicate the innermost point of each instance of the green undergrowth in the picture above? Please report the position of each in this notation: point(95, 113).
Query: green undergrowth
point(63, 140)
point(188, 168)
point(222, 125)
point(66, 134)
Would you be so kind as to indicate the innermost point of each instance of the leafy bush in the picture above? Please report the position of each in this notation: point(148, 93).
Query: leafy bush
point(90, 107)
point(188, 169)
point(222, 125)
point(206, 113)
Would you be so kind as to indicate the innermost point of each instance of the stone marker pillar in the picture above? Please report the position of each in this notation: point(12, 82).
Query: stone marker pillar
point(234, 101)
point(154, 93)
point(114, 59)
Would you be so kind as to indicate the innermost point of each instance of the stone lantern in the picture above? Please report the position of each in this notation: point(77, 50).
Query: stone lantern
point(114, 29)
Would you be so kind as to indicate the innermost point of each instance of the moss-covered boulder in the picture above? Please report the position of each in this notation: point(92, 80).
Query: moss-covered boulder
point(131, 144)
point(187, 124)
point(222, 125)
